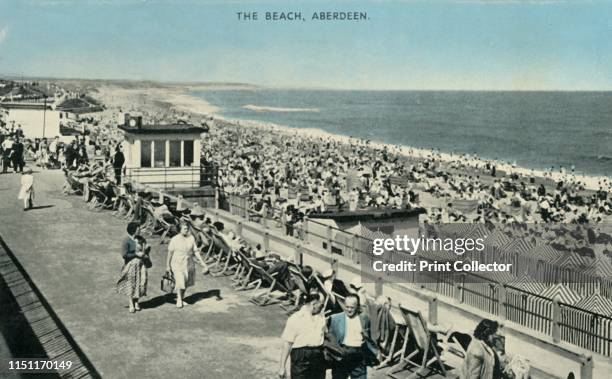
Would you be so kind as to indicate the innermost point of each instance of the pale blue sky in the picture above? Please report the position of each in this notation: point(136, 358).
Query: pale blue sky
point(434, 44)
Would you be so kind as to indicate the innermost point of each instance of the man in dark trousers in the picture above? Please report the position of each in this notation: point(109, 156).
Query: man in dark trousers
point(17, 157)
point(118, 161)
point(351, 330)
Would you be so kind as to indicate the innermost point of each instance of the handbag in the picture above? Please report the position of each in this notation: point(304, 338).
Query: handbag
point(167, 282)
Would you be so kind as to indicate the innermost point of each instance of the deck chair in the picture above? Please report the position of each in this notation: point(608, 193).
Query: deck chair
point(424, 345)
point(147, 226)
point(390, 349)
point(218, 263)
point(247, 279)
point(302, 287)
point(228, 250)
point(72, 186)
point(131, 207)
point(327, 296)
point(160, 226)
point(454, 349)
point(99, 199)
point(268, 297)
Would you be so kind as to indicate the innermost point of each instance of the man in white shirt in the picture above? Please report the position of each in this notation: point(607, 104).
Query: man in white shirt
point(351, 330)
point(303, 336)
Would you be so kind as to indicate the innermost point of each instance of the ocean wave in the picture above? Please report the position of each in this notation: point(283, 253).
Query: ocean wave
point(604, 158)
point(258, 108)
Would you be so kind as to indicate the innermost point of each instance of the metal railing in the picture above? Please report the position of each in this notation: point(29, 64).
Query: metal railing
point(174, 177)
point(562, 322)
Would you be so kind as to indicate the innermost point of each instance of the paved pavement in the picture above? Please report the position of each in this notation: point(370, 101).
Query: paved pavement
point(73, 257)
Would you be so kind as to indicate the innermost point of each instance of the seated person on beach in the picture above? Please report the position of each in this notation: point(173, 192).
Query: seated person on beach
point(164, 213)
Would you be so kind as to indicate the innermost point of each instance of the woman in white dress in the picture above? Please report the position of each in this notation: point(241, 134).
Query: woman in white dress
point(181, 251)
point(26, 192)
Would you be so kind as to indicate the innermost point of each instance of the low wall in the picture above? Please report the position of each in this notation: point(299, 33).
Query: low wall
point(558, 359)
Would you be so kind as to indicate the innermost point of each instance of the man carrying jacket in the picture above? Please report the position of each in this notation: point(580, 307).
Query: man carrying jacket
point(351, 330)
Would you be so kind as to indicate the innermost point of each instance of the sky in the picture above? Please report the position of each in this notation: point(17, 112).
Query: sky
point(410, 44)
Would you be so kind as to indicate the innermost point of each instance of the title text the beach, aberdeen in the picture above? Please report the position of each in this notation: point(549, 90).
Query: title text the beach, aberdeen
point(298, 16)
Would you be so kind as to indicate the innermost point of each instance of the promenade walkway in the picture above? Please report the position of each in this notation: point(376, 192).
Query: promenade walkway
point(72, 256)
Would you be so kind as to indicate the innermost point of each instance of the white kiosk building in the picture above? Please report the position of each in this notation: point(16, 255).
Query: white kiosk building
point(162, 156)
point(37, 120)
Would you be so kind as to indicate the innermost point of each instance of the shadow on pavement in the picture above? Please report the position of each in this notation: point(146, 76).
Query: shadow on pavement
point(157, 301)
point(194, 298)
point(41, 207)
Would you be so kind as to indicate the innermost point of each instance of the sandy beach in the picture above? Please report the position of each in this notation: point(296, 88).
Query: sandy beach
point(153, 98)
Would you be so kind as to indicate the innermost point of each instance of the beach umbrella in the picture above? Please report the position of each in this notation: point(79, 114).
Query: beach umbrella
point(597, 304)
point(563, 293)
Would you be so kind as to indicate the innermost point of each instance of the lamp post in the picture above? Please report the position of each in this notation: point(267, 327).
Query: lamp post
point(44, 117)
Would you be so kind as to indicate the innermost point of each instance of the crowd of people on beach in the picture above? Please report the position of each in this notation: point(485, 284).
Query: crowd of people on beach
point(326, 174)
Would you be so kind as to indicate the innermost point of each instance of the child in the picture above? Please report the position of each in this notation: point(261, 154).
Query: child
point(26, 193)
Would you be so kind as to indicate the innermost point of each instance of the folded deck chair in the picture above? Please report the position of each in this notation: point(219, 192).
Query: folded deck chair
point(391, 329)
point(423, 344)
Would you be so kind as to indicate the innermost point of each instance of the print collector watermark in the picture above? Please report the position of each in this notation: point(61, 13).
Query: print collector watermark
point(412, 246)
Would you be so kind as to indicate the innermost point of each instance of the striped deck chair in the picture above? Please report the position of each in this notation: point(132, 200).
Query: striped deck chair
point(422, 343)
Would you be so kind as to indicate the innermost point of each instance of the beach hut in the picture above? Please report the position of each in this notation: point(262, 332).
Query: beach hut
point(562, 293)
point(593, 316)
point(597, 304)
point(515, 252)
point(163, 156)
point(526, 307)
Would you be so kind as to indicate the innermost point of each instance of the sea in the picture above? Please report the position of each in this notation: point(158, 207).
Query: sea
point(536, 130)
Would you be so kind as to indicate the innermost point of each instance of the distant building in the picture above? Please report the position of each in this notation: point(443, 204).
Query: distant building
point(76, 108)
point(340, 228)
point(162, 156)
point(37, 120)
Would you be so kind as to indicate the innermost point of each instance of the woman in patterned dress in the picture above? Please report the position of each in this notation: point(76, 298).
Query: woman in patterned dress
point(181, 251)
point(133, 280)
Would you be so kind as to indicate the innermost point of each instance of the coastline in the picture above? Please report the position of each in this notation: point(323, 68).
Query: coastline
point(179, 98)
